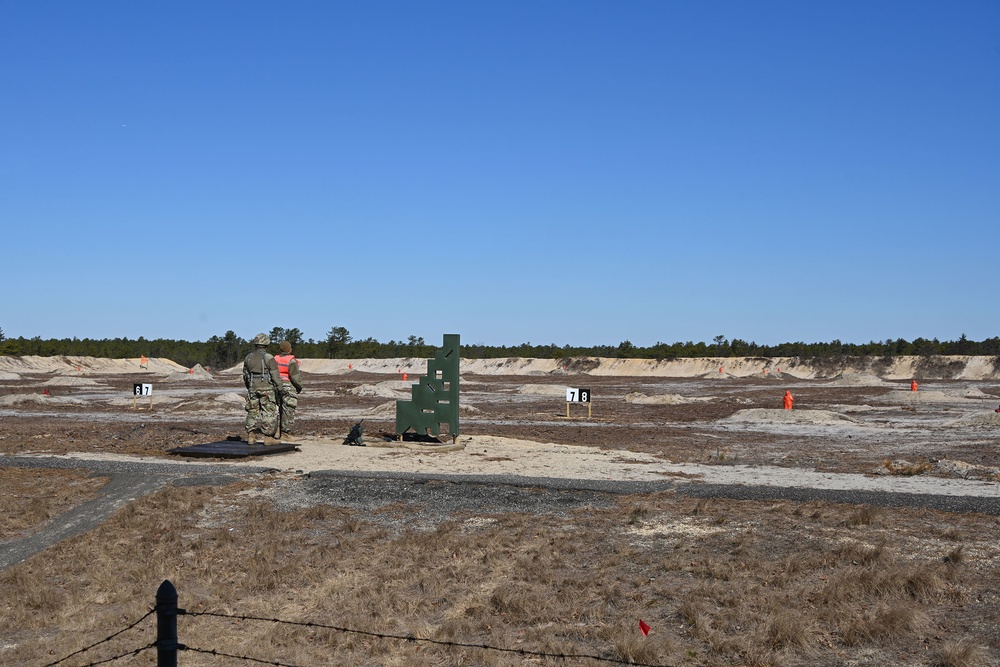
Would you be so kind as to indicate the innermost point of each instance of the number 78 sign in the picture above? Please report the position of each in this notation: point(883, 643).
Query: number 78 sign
point(576, 395)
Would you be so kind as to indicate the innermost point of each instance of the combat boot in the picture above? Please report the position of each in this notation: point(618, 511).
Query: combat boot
point(251, 438)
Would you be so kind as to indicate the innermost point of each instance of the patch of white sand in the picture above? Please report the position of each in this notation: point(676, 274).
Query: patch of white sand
point(927, 396)
point(542, 389)
point(977, 419)
point(195, 373)
point(66, 381)
point(638, 398)
point(387, 389)
point(21, 399)
point(858, 380)
point(231, 398)
point(489, 455)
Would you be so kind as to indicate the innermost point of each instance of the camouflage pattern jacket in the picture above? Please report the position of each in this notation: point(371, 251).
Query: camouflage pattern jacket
point(260, 370)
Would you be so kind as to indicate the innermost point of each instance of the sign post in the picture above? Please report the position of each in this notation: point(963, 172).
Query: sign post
point(142, 390)
point(575, 395)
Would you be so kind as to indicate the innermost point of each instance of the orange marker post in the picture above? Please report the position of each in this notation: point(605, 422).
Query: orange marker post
point(913, 385)
point(788, 400)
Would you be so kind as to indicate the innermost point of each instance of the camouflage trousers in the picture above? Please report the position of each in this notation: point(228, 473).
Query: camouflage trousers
point(288, 404)
point(262, 412)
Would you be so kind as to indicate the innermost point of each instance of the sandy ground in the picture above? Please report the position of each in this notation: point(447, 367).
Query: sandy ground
point(491, 455)
point(719, 428)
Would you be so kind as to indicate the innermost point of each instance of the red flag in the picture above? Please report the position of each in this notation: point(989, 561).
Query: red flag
point(644, 628)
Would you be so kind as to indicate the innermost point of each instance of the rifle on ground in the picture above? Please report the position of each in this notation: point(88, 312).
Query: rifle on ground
point(354, 437)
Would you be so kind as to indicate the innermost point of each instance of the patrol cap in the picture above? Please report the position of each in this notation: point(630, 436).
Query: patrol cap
point(285, 347)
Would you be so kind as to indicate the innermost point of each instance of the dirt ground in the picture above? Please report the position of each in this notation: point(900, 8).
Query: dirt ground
point(723, 581)
point(835, 426)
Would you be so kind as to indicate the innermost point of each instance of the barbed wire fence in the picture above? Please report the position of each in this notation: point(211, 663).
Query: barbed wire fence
point(168, 646)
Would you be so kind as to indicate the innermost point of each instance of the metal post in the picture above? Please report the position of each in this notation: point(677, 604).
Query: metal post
point(166, 625)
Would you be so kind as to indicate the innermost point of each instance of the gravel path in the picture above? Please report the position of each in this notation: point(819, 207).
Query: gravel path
point(128, 481)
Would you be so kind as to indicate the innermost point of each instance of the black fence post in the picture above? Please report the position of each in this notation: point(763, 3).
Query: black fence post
point(166, 625)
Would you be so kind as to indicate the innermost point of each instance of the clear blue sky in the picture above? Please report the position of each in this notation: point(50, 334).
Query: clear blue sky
point(549, 172)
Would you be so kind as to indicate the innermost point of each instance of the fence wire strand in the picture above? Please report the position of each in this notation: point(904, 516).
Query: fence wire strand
point(107, 639)
point(126, 654)
point(411, 638)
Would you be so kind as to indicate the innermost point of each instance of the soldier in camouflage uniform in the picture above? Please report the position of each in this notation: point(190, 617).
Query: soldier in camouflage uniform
point(264, 390)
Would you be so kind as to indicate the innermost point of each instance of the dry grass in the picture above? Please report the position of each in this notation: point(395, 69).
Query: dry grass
point(775, 584)
point(30, 498)
point(960, 653)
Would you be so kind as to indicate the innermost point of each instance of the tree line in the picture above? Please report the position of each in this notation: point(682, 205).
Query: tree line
point(229, 349)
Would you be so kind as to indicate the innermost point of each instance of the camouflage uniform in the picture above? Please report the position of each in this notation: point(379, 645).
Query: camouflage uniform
point(263, 383)
point(288, 367)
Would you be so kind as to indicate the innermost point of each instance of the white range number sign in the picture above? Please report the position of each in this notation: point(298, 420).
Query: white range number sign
point(574, 395)
point(142, 389)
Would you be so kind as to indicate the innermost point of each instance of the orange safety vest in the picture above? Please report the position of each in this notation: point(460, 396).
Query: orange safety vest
point(283, 361)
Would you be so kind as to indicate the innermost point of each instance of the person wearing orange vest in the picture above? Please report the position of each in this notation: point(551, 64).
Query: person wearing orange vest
point(288, 368)
point(788, 400)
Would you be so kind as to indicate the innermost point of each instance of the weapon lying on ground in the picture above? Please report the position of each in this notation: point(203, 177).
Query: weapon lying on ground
point(354, 437)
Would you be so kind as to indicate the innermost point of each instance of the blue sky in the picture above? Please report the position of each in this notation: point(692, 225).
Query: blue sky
point(570, 172)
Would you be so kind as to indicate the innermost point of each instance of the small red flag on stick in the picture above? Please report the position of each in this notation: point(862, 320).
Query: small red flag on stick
point(644, 628)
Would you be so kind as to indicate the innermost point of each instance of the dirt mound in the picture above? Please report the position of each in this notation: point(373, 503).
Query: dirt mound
point(717, 376)
point(858, 380)
point(779, 416)
point(196, 373)
point(976, 392)
point(638, 398)
point(230, 398)
point(388, 409)
point(8, 377)
point(967, 470)
point(896, 368)
point(542, 390)
point(65, 381)
point(387, 389)
point(929, 396)
point(98, 365)
point(21, 399)
point(990, 418)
